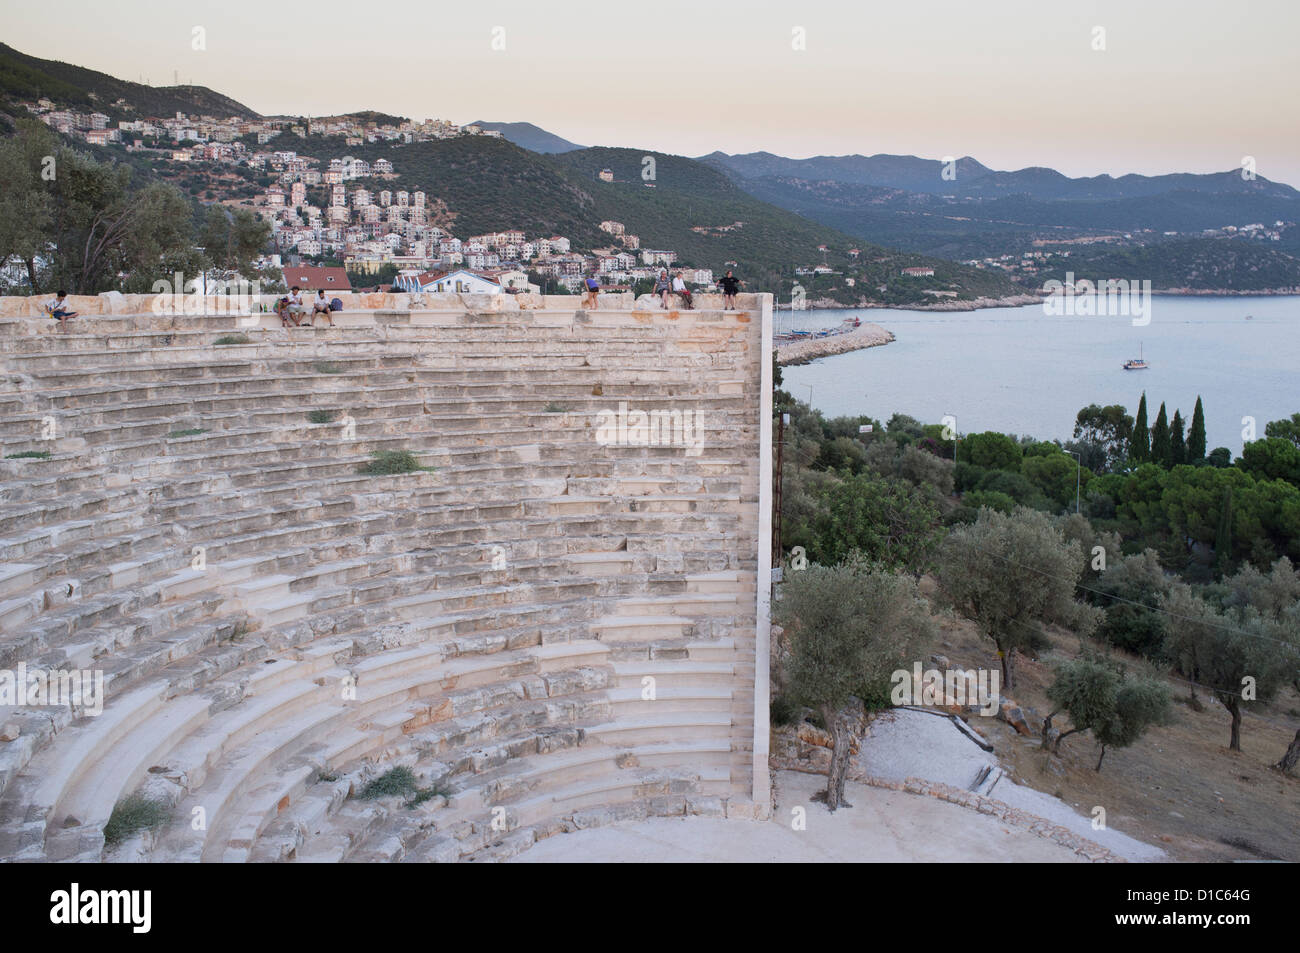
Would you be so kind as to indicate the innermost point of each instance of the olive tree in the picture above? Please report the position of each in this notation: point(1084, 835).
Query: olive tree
point(1010, 574)
point(1241, 655)
point(1100, 697)
point(849, 628)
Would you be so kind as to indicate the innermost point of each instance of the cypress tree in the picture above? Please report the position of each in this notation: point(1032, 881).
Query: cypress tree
point(1160, 451)
point(1139, 446)
point(1177, 444)
point(1196, 438)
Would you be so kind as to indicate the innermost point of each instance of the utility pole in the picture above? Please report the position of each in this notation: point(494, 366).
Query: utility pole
point(781, 421)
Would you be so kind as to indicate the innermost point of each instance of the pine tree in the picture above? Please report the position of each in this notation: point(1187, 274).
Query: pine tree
point(1177, 443)
point(1160, 451)
point(1139, 448)
point(1196, 438)
point(1223, 536)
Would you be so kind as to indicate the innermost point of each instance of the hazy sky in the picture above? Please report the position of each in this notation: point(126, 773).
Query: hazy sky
point(1182, 85)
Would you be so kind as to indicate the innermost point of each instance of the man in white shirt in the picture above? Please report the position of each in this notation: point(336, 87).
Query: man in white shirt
point(321, 305)
point(679, 288)
point(58, 308)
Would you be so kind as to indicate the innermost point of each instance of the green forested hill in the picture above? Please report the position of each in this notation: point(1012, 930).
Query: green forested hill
point(1200, 264)
point(489, 184)
point(24, 77)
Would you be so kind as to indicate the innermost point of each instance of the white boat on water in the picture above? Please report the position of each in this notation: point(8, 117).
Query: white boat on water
point(1136, 363)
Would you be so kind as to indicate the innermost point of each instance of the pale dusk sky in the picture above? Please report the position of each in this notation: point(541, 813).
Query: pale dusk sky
point(1182, 85)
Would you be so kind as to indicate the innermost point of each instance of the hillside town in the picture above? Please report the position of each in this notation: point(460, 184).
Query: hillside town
point(316, 216)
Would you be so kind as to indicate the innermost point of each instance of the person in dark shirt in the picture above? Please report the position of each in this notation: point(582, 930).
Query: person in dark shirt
point(730, 285)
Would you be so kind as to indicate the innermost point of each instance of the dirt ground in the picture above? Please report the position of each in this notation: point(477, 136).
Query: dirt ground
point(1178, 787)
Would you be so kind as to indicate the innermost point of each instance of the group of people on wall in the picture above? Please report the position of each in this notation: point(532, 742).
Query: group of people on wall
point(292, 310)
point(664, 286)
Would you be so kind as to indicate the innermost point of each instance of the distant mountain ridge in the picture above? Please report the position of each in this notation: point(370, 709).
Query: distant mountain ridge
point(530, 137)
point(972, 177)
point(906, 202)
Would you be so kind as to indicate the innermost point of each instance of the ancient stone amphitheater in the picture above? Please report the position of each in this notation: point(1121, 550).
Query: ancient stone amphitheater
point(549, 628)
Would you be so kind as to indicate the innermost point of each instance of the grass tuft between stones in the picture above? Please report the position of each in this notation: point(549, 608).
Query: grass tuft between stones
point(322, 416)
point(135, 812)
point(29, 455)
point(232, 339)
point(400, 782)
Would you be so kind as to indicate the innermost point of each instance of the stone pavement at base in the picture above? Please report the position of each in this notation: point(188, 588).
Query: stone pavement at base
point(911, 744)
point(882, 825)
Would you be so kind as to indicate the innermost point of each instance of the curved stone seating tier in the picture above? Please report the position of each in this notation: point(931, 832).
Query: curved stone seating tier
point(545, 627)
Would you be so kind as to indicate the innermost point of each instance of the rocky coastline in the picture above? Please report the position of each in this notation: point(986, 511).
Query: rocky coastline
point(810, 349)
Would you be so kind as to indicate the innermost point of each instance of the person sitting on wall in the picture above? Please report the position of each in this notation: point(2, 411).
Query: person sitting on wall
point(321, 305)
point(662, 287)
point(680, 289)
point(730, 285)
point(291, 309)
point(58, 308)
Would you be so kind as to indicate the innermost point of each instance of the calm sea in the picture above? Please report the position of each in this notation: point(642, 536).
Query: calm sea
point(1018, 370)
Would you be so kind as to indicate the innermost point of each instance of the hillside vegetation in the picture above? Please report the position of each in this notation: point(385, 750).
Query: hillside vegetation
point(24, 77)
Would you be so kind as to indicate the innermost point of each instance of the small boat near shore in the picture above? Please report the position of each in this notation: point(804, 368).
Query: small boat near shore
point(1136, 363)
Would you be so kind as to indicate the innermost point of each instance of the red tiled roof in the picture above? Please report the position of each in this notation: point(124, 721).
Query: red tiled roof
point(304, 276)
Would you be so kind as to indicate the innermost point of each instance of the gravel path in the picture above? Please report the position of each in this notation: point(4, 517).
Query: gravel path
point(914, 744)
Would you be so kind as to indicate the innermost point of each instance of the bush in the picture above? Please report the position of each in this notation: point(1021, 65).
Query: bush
point(135, 812)
point(967, 476)
point(875, 695)
point(384, 462)
point(1125, 590)
point(396, 782)
point(781, 711)
point(979, 499)
point(886, 520)
point(327, 367)
point(400, 782)
point(232, 339)
point(1015, 485)
point(842, 453)
point(29, 455)
point(192, 432)
point(962, 515)
point(322, 416)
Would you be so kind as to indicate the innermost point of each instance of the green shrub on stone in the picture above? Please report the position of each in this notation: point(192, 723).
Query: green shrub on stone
point(388, 462)
point(133, 813)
